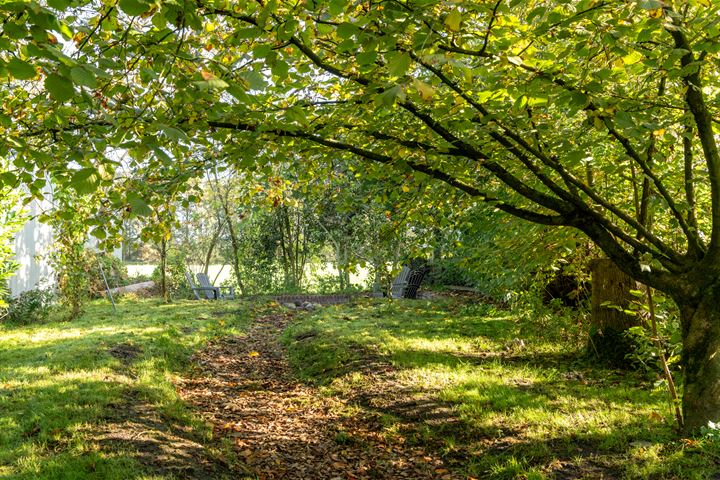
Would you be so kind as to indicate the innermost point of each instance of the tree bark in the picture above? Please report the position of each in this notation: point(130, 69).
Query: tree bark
point(701, 361)
point(211, 247)
point(234, 242)
point(610, 296)
point(163, 271)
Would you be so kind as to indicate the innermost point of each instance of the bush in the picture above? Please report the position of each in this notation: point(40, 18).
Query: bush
point(449, 272)
point(176, 266)
point(29, 307)
point(114, 268)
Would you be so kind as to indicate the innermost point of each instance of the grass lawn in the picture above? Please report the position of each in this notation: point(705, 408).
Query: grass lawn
point(500, 394)
point(59, 381)
point(521, 402)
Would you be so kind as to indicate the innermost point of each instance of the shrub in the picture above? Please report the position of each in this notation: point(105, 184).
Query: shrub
point(176, 265)
point(114, 268)
point(29, 307)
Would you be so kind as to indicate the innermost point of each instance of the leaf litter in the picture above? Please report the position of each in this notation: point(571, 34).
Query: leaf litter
point(245, 388)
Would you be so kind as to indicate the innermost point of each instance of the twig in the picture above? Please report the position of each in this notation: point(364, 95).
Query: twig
point(661, 354)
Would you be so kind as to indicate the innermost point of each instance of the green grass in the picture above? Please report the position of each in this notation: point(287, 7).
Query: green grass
point(529, 405)
point(58, 381)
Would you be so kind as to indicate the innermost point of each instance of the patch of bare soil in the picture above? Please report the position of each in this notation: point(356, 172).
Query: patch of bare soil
point(125, 352)
point(284, 429)
point(163, 448)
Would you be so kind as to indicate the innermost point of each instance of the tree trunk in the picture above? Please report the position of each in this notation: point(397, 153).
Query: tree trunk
point(610, 296)
point(235, 245)
point(701, 361)
point(211, 248)
point(163, 271)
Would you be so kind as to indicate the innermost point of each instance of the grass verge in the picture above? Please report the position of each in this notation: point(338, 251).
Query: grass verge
point(511, 396)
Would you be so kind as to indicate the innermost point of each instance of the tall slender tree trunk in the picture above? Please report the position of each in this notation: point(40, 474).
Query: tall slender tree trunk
point(236, 249)
point(223, 193)
point(163, 271)
point(211, 247)
point(701, 360)
point(233, 241)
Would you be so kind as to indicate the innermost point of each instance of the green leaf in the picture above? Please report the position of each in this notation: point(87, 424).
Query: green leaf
point(336, 7)
point(174, 133)
point(254, 79)
point(59, 4)
point(60, 88)
point(453, 21)
point(398, 64)
point(133, 7)
point(20, 69)
point(138, 206)
point(346, 30)
point(389, 96)
point(213, 83)
point(85, 180)
point(8, 179)
point(366, 58)
point(83, 77)
point(624, 120)
point(280, 69)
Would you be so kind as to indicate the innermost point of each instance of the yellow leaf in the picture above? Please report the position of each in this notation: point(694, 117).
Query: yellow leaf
point(515, 60)
point(405, 188)
point(659, 132)
point(655, 13)
point(453, 21)
point(426, 91)
point(655, 416)
point(632, 58)
point(253, 354)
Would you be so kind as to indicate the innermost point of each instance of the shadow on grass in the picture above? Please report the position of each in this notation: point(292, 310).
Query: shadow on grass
point(490, 415)
point(58, 381)
point(161, 445)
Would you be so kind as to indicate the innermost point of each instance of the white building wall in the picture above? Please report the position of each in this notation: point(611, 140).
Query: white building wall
point(31, 249)
point(32, 246)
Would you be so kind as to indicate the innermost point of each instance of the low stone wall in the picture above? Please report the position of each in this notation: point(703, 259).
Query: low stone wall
point(134, 288)
point(321, 299)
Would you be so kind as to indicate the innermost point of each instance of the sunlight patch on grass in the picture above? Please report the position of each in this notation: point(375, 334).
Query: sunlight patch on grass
point(528, 406)
point(59, 379)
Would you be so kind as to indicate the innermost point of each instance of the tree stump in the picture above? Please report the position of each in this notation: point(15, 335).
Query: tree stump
point(609, 322)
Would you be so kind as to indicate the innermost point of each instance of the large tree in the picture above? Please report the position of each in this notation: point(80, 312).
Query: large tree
point(596, 115)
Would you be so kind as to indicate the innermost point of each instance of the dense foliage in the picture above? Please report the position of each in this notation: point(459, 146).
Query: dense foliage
point(32, 306)
point(11, 220)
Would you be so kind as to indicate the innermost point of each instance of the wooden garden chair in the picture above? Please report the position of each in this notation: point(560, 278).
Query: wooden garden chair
point(212, 293)
point(222, 293)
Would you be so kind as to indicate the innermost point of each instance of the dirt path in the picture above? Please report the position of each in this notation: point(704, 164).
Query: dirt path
point(284, 429)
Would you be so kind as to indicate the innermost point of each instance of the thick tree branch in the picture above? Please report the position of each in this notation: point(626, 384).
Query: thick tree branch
point(569, 179)
point(384, 159)
point(703, 122)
